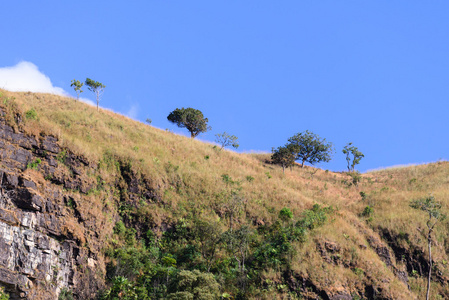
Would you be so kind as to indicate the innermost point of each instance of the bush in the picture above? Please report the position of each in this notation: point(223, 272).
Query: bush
point(31, 114)
point(285, 214)
point(34, 164)
point(314, 217)
point(65, 294)
point(368, 211)
point(3, 294)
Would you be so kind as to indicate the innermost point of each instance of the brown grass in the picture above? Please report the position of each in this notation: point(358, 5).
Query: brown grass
point(187, 173)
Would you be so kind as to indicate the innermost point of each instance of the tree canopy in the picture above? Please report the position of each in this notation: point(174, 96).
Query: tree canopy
point(189, 118)
point(309, 147)
point(356, 156)
point(96, 87)
point(284, 156)
point(226, 140)
point(77, 85)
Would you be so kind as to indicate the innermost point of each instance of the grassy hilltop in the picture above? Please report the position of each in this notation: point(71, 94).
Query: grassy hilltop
point(218, 223)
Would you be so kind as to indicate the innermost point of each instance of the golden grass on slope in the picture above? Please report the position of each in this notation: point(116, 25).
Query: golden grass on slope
point(196, 165)
point(188, 175)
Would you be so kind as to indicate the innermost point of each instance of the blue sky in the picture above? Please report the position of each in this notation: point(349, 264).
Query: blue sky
point(375, 73)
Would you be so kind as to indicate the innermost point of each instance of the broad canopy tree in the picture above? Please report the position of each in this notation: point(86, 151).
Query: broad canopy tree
point(309, 147)
point(284, 156)
point(305, 147)
point(189, 118)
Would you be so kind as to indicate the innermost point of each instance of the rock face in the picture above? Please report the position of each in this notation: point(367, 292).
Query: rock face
point(44, 239)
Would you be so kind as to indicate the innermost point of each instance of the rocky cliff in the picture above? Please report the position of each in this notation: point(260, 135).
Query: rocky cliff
point(47, 243)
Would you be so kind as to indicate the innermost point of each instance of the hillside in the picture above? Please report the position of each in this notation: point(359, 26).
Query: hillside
point(94, 204)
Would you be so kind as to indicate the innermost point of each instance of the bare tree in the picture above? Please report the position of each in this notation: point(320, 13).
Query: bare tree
point(433, 209)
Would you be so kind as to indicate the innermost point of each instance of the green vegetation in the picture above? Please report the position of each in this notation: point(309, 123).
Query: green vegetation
point(219, 215)
point(31, 114)
point(77, 85)
point(198, 259)
point(226, 140)
point(97, 88)
point(349, 150)
point(3, 294)
point(284, 156)
point(34, 164)
point(309, 147)
point(65, 294)
point(433, 209)
point(191, 119)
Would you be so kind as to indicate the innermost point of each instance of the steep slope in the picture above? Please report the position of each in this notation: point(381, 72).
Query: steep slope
point(91, 198)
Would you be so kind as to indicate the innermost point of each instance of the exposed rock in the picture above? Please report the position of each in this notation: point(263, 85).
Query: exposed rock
point(50, 144)
point(41, 248)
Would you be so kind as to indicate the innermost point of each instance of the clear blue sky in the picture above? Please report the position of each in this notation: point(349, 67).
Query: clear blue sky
point(375, 73)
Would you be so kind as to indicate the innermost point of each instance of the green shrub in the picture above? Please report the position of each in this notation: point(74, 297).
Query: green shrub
point(368, 211)
point(3, 294)
point(119, 228)
point(314, 217)
point(363, 195)
point(61, 157)
point(34, 164)
point(65, 294)
point(285, 214)
point(31, 114)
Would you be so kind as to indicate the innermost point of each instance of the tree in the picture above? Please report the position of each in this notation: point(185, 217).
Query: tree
point(96, 87)
point(284, 156)
point(194, 285)
point(356, 156)
point(308, 147)
point(226, 140)
point(189, 118)
point(237, 243)
point(433, 209)
point(77, 85)
point(208, 234)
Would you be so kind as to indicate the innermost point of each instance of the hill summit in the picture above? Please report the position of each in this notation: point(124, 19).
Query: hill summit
point(96, 205)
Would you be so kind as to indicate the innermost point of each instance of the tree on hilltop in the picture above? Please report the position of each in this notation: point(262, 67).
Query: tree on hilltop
point(309, 147)
point(226, 140)
point(356, 156)
point(77, 85)
point(284, 156)
point(96, 87)
point(189, 118)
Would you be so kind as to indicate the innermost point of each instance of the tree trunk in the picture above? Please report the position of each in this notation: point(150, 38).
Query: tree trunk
point(429, 241)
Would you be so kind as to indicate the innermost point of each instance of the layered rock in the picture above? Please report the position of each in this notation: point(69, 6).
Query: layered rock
point(43, 245)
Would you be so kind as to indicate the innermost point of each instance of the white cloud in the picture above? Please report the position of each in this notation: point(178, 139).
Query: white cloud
point(26, 77)
point(133, 112)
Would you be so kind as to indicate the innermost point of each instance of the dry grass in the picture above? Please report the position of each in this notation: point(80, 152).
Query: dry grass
point(187, 173)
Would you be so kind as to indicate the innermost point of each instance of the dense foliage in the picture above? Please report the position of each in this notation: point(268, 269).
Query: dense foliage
point(202, 259)
point(189, 118)
point(284, 156)
point(309, 147)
